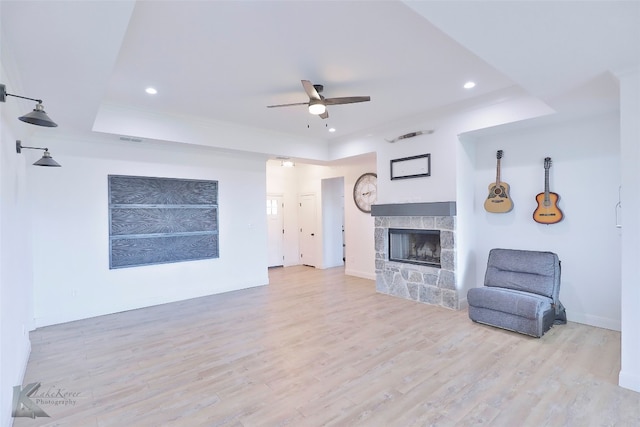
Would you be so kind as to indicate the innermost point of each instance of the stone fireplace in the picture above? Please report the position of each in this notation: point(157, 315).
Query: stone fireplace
point(415, 252)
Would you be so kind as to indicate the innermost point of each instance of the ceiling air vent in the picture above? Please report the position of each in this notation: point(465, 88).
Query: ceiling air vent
point(128, 138)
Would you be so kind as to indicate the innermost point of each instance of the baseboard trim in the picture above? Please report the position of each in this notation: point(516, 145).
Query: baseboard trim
point(629, 381)
point(597, 321)
point(360, 274)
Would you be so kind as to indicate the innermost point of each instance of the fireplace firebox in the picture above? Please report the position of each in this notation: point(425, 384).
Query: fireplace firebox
point(415, 246)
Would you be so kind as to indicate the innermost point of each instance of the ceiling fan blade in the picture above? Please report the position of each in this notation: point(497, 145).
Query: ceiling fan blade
point(287, 105)
point(311, 91)
point(324, 115)
point(346, 100)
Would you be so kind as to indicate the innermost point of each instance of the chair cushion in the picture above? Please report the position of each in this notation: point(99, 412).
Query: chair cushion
point(527, 271)
point(518, 303)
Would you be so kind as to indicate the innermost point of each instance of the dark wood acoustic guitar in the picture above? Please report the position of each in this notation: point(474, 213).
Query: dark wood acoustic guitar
point(547, 211)
point(498, 200)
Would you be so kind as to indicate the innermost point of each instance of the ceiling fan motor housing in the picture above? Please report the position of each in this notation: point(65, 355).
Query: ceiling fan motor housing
point(318, 103)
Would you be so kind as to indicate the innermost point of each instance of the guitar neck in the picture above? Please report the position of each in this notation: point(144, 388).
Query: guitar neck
point(497, 172)
point(546, 185)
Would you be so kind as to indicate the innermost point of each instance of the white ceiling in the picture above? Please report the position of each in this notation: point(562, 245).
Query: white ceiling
point(225, 61)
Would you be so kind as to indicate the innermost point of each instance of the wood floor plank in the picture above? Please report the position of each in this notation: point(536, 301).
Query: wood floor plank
point(316, 348)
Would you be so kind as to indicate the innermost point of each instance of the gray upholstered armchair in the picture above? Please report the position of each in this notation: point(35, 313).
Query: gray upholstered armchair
point(520, 292)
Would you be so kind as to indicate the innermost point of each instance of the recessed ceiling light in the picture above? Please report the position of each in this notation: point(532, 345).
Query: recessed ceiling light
point(151, 90)
point(332, 129)
point(469, 85)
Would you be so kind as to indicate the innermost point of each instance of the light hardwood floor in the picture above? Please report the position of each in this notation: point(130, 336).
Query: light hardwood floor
point(316, 348)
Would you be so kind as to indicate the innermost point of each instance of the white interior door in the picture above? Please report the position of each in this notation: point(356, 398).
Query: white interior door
point(332, 202)
point(307, 221)
point(275, 228)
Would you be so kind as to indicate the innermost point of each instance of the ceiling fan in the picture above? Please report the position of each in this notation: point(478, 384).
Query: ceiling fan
point(318, 103)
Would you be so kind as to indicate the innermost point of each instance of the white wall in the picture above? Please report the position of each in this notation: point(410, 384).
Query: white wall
point(70, 228)
point(16, 286)
point(585, 163)
point(439, 187)
point(466, 266)
point(630, 175)
point(359, 227)
point(16, 282)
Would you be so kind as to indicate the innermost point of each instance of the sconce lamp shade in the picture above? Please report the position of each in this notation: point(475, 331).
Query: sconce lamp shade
point(46, 159)
point(38, 117)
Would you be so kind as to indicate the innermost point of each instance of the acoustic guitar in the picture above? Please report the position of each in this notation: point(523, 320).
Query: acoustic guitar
point(547, 211)
point(498, 200)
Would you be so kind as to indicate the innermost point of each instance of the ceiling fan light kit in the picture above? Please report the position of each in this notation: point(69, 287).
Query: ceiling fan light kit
point(317, 108)
point(318, 104)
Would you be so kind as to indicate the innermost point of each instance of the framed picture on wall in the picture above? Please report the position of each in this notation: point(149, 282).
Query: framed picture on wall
point(411, 167)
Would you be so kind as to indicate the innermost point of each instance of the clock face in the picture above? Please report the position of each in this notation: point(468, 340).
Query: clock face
point(365, 191)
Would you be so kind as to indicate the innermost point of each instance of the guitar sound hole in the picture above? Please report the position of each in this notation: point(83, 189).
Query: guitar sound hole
point(497, 191)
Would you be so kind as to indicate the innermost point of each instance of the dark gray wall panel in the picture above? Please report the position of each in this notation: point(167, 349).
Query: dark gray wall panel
point(140, 190)
point(131, 252)
point(161, 220)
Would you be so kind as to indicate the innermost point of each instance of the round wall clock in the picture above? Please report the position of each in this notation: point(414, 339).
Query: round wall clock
point(365, 191)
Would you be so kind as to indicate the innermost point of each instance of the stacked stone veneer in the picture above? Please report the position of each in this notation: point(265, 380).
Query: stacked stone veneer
point(426, 284)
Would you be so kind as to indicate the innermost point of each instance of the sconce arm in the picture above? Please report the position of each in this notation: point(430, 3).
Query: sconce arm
point(19, 147)
point(4, 94)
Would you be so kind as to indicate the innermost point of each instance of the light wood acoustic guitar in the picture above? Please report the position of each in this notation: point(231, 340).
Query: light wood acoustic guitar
point(547, 211)
point(498, 200)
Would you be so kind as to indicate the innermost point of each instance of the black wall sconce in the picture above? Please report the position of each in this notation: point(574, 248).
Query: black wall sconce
point(36, 117)
point(46, 159)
